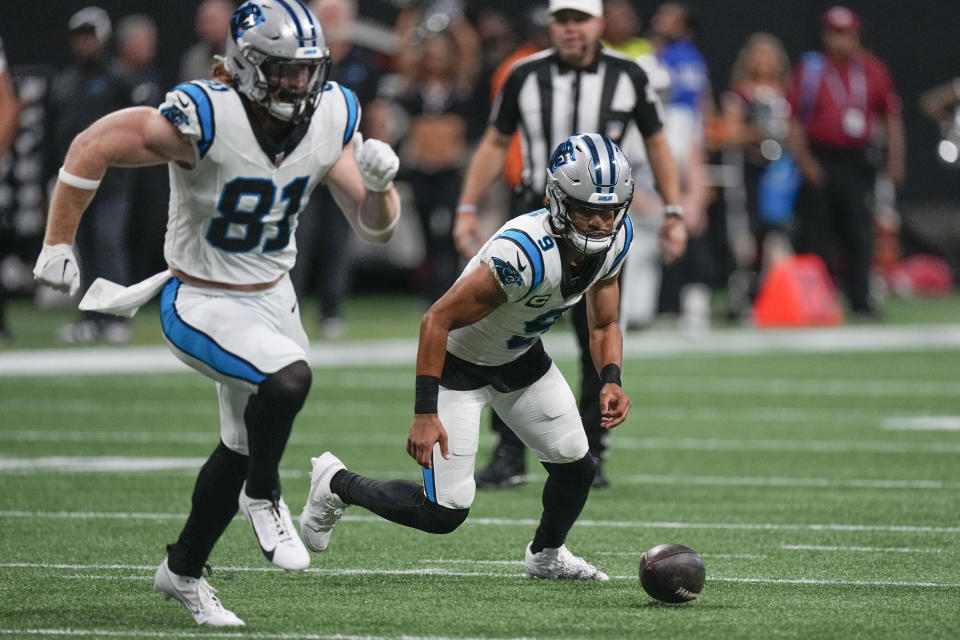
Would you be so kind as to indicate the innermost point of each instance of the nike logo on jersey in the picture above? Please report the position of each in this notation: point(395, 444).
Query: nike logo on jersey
point(520, 265)
point(183, 103)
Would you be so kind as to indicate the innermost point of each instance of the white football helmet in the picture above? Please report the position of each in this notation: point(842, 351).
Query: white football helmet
point(592, 172)
point(278, 57)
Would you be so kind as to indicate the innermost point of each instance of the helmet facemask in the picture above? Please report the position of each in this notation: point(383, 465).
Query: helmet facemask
point(278, 58)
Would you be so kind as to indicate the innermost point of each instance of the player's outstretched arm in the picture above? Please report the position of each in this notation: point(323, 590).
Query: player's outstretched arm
point(361, 182)
point(606, 348)
point(471, 298)
point(134, 137)
point(485, 166)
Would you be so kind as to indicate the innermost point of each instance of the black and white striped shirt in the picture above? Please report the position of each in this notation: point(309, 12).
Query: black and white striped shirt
point(548, 101)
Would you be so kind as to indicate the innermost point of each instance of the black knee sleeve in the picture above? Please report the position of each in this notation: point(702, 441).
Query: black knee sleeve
point(269, 418)
point(573, 474)
point(286, 390)
point(442, 519)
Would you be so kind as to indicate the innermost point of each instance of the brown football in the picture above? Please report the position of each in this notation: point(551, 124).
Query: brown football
point(672, 573)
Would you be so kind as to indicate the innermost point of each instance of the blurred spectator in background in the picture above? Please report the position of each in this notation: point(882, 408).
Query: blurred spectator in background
point(434, 151)
point(548, 97)
point(622, 30)
point(535, 37)
point(136, 61)
point(9, 112)
point(688, 107)
point(757, 117)
point(80, 94)
point(211, 22)
point(842, 100)
point(942, 105)
point(324, 239)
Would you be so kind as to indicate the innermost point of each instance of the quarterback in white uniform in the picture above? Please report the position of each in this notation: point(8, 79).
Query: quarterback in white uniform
point(245, 151)
point(480, 346)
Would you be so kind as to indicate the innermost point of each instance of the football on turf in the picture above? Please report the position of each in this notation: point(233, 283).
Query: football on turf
point(672, 573)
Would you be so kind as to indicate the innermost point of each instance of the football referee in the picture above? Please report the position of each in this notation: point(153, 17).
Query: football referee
point(575, 86)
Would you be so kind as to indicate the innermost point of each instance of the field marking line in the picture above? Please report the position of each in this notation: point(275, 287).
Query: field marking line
point(430, 571)
point(527, 522)
point(138, 465)
point(133, 633)
point(379, 353)
point(921, 423)
point(814, 547)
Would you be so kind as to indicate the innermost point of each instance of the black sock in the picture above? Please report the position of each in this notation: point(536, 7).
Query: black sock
point(398, 501)
point(564, 495)
point(269, 419)
point(213, 506)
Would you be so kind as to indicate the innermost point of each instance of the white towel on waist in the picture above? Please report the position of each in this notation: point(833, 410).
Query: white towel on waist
point(109, 297)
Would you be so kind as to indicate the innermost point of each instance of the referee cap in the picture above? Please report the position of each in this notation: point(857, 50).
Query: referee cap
point(590, 7)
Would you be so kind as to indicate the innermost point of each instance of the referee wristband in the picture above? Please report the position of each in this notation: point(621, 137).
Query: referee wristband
point(611, 373)
point(673, 211)
point(425, 401)
point(76, 181)
point(466, 208)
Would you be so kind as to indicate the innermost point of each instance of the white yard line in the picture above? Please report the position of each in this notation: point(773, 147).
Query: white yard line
point(379, 353)
point(326, 439)
point(134, 633)
point(922, 423)
point(124, 464)
point(813, 547)
point(527, 522)
point(431, 571)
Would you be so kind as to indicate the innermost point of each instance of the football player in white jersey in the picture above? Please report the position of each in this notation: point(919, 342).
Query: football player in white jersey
point(244, 151)
point(480, 346)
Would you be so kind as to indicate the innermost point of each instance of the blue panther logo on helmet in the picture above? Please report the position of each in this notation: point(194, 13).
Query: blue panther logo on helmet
point(507, 273)
point(246, 17)
point(562, 155)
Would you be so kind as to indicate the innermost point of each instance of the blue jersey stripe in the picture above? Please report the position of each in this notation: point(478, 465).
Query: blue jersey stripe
point(597, 171)
point(352, 112)
point(626, 245)
point(430, 482)
point(204, 111)
point(532, 251)
point(199, 345)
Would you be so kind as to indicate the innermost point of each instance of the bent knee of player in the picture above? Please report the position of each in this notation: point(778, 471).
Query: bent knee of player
point(568, 447)
point(457, 493)
point(446, 520)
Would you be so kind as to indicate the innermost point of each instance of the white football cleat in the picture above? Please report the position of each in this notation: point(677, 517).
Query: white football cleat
point(196, 595)
point(560, 564)
point(324, 507)
point(275, 533)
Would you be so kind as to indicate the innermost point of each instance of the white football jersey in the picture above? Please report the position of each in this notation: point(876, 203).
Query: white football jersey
point(528, 265)
point(232, 217)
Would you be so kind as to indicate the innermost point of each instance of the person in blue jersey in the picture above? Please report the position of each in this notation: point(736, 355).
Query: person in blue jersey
point(480, 347)
point(245, 151)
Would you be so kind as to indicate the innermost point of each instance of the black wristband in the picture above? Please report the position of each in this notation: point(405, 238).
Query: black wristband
point(425, 401)
point(611, 373)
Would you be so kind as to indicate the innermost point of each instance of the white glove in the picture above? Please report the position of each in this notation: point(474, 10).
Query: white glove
point(57, 268)
point(377, 162)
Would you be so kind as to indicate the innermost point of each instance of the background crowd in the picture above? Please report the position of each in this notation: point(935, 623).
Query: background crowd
point(785, 141)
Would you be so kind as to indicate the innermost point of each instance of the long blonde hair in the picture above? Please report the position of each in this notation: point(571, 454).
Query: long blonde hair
point(741, 66)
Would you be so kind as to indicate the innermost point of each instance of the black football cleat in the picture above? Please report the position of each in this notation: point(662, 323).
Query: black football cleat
point(507, 469)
